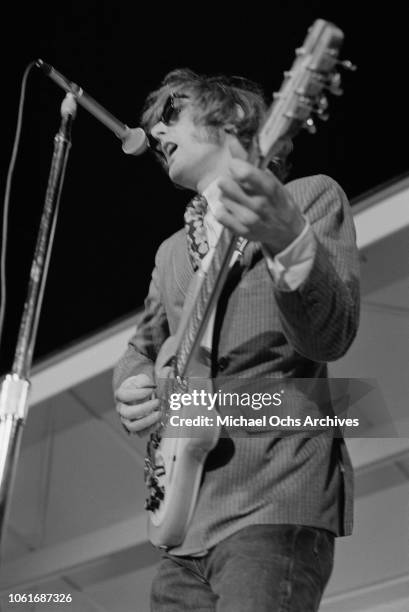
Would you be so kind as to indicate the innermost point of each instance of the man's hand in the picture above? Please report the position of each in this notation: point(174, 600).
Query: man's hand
point(257, 206)
point(136, 405)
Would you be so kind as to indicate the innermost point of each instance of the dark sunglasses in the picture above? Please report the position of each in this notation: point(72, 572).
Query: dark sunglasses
point(171, 111)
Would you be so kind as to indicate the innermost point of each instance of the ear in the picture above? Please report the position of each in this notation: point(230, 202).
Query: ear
point(230, 128)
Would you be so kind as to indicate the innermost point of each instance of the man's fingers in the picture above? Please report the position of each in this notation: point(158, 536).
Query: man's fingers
point(141, 425)
point(136, 407)
point(130, 395)
point(227, 187)
point(137, 411)
point(239, 219)
point(252, 179)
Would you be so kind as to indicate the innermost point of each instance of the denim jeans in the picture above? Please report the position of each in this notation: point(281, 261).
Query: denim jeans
point(274, 568)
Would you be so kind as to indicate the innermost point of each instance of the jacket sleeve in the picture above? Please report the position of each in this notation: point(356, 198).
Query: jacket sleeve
point(320, 318)
point(151, 332)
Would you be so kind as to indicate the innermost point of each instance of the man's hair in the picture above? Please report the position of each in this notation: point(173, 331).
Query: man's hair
point(217, 101)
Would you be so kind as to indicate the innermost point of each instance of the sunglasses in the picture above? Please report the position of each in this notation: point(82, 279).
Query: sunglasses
point(171, 111)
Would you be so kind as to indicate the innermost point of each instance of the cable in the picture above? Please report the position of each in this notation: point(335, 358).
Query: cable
point(10, 172)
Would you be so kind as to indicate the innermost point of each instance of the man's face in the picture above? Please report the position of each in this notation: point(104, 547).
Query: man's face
point(193, 156)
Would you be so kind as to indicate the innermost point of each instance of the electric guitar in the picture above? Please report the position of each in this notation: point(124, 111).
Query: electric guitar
point(174, 462)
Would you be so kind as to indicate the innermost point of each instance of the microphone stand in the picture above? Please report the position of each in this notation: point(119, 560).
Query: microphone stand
point(15, 387)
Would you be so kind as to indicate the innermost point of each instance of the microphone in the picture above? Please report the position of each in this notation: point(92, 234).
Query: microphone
point(134, 140)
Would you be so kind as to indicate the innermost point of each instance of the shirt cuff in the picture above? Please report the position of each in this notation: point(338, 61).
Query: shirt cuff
point(291, 267)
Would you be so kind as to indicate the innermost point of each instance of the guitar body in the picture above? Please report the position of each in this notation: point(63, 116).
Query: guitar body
point(178, 454)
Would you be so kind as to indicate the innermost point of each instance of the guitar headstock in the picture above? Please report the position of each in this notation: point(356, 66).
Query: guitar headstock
point(304, 90)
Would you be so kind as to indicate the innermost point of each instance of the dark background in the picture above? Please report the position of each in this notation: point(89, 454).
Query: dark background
point(115, 209)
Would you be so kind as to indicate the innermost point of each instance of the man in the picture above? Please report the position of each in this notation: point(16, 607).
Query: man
point(261, 537)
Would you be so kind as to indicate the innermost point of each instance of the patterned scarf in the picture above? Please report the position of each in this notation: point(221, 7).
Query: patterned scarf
point(196, 237)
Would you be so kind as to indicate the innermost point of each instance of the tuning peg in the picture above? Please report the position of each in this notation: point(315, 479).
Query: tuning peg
point(321, 107)
point(322, 104)
point(334, 85)
point(322, 116)
point(310, 126)
point(347, 65)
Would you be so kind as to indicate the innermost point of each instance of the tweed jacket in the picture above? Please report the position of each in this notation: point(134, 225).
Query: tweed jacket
point(261, 333)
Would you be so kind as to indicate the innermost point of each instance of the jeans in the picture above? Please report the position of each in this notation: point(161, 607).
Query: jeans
point(274, 568)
